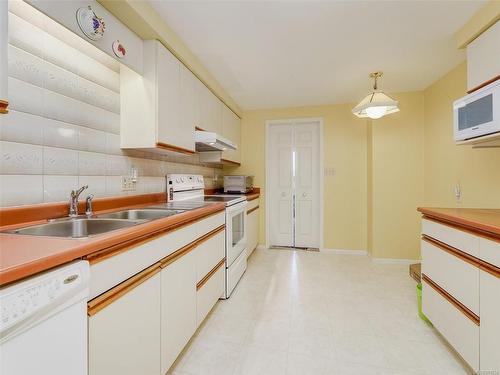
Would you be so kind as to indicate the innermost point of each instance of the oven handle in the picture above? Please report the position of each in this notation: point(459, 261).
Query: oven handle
point(237, 207)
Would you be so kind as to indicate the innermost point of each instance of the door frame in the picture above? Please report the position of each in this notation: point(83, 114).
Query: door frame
point(319, 121)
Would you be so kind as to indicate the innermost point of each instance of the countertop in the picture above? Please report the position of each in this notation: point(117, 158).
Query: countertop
point(486, 221)
point(22, 255)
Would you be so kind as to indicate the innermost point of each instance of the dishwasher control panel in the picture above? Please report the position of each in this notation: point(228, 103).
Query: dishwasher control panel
point(22, 300)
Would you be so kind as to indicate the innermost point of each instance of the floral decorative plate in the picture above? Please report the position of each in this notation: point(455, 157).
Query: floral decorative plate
point(91, 25)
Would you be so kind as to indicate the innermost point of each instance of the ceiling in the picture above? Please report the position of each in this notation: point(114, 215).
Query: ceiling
point(268, 54)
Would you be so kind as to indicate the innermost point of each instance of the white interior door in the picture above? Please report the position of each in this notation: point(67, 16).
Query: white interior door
point(294, 183)
point(281, 184)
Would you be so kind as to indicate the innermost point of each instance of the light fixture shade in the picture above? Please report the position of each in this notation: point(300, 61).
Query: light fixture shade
point(373, 100)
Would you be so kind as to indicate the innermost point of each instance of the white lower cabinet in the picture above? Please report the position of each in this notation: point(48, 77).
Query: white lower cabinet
point(208, 294)
point(178, 307)
point(252, 230)
point(124, 336)
point(490, 323)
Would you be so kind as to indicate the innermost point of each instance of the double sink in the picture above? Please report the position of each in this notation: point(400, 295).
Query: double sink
point(83, 226)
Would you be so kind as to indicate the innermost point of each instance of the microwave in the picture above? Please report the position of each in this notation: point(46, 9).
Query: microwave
point(478, 113)
point(238, 184)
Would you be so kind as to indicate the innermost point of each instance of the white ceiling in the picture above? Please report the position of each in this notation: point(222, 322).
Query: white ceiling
point(291, 53)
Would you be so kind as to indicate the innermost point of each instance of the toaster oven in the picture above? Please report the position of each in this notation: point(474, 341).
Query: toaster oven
point(238, 184)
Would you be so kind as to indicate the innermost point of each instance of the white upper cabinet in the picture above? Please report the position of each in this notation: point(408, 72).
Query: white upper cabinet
point(157, 109)
point(231, 129)
point(3, 49)
point(208, 109)
point(483, 57)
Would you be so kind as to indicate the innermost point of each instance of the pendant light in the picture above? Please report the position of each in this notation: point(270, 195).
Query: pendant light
point(377, 103)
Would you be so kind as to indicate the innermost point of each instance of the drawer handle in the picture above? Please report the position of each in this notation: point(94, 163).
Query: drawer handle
point(210, 274)
point(459, 306)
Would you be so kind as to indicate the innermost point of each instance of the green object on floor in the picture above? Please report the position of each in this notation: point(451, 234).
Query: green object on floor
point(419, 298)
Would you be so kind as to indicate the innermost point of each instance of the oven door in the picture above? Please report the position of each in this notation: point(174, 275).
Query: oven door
point(236, 236)
point(478, 113)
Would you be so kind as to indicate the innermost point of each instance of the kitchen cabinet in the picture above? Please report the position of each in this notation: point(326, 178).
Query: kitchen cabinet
point(178, 307)
point(124, 328)
point(231, 129)
point(157, 108)
point(252, 226)
point(490, 322)
point(208, 109)
point(483, 59)
point(461, 289)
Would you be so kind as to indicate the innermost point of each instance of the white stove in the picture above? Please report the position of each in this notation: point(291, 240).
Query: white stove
point(186, 192)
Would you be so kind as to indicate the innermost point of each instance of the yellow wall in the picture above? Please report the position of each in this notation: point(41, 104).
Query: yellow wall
point(477, 170)
point(396, 169)
point(345, 193)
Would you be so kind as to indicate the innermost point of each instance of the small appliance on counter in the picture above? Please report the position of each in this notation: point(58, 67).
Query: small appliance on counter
point(238, 184)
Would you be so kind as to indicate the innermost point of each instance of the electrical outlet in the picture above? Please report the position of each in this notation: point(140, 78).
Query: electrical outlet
point(128, 183)
point(458, 192)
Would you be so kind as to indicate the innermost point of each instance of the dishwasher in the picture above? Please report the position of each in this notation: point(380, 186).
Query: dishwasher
point(43, 323)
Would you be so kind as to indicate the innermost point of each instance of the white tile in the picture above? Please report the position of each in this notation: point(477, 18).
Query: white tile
point(20, 158)
point(117, 165)
point(91, 140)
point(60, 134)
point(96, 185)
point(113, 144)
point(114, 186)
point(20, 189)
point(25, 97)
point(24, 35)
point(22, 127)
point(91, 164)
point(25, 66)
point(97, 95)
point(59, 53)
point(60, 161)
point(98, 73)
point(58, 188)
point(61, 81)
point(255, 360)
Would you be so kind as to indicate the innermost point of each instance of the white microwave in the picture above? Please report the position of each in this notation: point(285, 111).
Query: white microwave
point(478, 113)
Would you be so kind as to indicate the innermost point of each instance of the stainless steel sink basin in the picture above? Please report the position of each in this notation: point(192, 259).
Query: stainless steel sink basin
point(140, 214)
point(76, 228)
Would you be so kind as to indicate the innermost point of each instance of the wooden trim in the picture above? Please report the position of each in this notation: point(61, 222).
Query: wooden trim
point(490, 268)
point(105, 299)
point(483, 84)
point(210, 274)
point(169, 259)
point(253, 197)
point(4, 104)
point(468, 313)
point(227, 161)
point(252, 210)
point(46, 211)
point(112, 251)
point(169, 147)
point(451, 250)
point(199, 129)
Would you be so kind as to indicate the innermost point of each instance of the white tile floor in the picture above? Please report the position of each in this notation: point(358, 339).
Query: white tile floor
point(315, 313)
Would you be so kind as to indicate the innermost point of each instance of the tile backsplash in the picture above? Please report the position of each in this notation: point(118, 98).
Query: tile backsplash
point(63, 129)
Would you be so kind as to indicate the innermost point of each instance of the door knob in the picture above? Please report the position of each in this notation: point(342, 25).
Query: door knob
point(304, 194)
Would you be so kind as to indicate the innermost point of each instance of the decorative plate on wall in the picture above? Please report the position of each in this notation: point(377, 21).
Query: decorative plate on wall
point(119, 49)
point(91, 24)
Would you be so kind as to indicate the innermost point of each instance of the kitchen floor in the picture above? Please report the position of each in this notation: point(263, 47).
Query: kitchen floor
point(297, 312)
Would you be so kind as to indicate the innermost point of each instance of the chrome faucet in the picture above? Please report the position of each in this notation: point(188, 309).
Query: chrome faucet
point(88, 205)
point(73, 201)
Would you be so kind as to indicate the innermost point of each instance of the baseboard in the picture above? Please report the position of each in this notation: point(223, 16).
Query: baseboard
point(394, 261)
point(261, 247)
point(344, 252)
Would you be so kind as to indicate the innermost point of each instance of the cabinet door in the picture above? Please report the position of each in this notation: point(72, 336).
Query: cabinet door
point(184, 135)
point(169, 128)
point(231, 129)
point(209, 109)
point(490, 322)
point(253, 231)
point(178, 307)
point(124, 337)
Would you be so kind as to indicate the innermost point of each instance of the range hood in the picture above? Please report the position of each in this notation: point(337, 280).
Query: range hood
point(209, 141)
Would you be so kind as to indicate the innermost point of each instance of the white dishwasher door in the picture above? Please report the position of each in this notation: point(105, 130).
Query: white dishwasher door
point(43, 323)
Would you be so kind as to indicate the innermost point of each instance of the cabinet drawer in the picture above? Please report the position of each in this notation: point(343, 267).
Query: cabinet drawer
point(111, 271)
point(209, 293)
point(490, 251)
point(456, 238)
point(490, 322)
point(459, 330)
point(252, 204)
point(458, 277)
point(208, 254)
point(210, 223)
